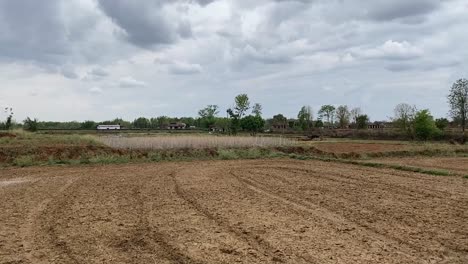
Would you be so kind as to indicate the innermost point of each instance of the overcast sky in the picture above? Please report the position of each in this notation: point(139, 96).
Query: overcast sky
point(101, 59)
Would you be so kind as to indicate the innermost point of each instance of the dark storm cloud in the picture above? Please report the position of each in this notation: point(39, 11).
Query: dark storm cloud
point(145, 24)
point(32, 30)
point(384, 10)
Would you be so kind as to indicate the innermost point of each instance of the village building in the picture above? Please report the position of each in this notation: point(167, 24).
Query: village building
point(176, 126)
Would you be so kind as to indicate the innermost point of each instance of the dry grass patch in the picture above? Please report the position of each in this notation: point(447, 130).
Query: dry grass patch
point(193, 142)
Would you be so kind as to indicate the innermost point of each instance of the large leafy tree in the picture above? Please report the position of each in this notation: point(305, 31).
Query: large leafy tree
point(424, 125)
point(343, 115)
point(354, 113)
point(361, 121)
point(141, 122)
point(404, 116)
point(252, 124)
point(328, 112)
point(208, 115)
point(257, 109)
point(242, 104)
point(458, 101)
point(305, 117)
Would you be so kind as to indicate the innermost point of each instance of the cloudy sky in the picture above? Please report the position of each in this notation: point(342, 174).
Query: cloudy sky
point(101, 59)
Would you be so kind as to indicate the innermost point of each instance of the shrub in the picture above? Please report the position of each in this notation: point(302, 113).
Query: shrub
point(30, 125)
point(424, 125)
point(23, 161)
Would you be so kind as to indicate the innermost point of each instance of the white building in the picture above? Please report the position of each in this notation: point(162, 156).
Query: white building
point(108, 127)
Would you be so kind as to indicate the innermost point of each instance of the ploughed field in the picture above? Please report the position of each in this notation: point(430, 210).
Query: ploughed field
point(262, 211)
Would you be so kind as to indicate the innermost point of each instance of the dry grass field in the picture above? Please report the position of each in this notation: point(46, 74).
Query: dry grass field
point(192, 142)
point(258, 211)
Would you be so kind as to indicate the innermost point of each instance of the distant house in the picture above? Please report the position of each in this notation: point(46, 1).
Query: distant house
point(379, 125)
point(108, 127)
point(176, 126)
point(279, 126)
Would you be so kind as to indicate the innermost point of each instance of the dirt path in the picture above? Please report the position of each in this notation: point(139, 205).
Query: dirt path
point(276, 211)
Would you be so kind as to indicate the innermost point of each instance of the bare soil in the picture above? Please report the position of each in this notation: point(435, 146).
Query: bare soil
point(262, 211)
point(451, 164)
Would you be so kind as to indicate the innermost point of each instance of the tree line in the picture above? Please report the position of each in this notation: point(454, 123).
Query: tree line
point(245, 116)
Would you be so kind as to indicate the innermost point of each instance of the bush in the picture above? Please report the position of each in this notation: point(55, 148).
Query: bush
point(424, 125)
point(23, 161)
point(30, 125)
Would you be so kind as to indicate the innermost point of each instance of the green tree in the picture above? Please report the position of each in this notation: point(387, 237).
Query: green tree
point(141, 122)
point(354, 113)
point(442, 123)
point(343, 115)
point(305, 117)
point(252, 124)
point(458, 101)
point(9, 120)
point(88, 125)
point(242, 104)
point(404, 118)
point(207, 115)
point(424, 125)
point(328, 111)
point(30, 125)
point(257, 109)
point(361, 121)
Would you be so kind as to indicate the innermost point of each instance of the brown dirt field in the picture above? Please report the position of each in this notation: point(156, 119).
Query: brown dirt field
point(262, 211)
point(347, 147)
point(451, 164)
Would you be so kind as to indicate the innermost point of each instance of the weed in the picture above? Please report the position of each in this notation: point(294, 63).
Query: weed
point(24, 161)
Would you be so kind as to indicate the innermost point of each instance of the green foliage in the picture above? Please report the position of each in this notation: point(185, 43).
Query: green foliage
point(30, 125)
point(242, 104)
point(88, 125)
point(404, 118)
point(361, 121)
point(252, 124)
point(424, 125)
point(257, 109)
point(441, 123)
point(328, 112)
point(9, 121)
point(343, 115)
point(305, 118)
point(208, 115)
point(24, 161)
point(319, 123)
point(458, 101)
point(141, 122)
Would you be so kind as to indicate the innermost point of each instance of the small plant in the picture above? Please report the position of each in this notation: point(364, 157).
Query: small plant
point(30, 125)
point(24, 161)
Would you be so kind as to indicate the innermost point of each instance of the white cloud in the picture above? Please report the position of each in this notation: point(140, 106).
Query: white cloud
point(96, 90)
point(392, 50)
point(130, 82)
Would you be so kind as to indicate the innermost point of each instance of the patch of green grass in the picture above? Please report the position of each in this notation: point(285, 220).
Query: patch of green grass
point(227, 154)
point(24, 161)
point(390, 166)
point(110, 159)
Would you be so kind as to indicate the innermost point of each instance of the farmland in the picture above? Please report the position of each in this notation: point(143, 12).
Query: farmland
point(214, 199)
point(259, 211)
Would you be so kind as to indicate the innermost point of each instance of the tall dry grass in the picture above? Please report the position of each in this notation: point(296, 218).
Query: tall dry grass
point(194, 142)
